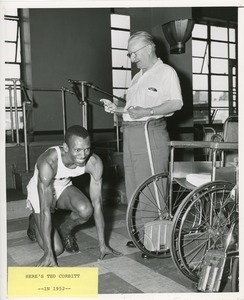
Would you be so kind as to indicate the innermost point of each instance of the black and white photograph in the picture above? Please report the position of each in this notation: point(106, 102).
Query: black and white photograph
point(120, 148)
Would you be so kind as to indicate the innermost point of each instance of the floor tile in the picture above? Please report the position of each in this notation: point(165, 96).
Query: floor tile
point(142, 277)
point(111, 284)
point(74, 260)
point(127, 273)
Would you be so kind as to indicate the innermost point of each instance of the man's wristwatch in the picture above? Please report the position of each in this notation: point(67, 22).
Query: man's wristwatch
point(151, 112)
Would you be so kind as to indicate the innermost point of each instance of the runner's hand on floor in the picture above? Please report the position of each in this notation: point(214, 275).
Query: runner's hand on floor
point(107, 250)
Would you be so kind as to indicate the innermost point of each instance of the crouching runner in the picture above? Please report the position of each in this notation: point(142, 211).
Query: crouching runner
point(51, 188)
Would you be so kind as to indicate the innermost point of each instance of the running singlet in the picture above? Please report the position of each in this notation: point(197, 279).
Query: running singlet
point(61, 181)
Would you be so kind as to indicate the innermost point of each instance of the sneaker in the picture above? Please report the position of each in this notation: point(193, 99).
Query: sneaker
point(70, 244)
point(31, 232)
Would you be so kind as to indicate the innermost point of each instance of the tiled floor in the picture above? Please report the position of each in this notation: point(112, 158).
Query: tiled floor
point(128, 273)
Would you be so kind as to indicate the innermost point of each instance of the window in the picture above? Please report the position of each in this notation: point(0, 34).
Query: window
point(121, 64)
point(13, 106)
point(214, 56)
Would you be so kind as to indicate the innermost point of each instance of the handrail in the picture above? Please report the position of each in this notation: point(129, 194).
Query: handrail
point(27, 102)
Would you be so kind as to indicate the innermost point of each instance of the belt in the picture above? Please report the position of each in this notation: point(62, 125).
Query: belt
point(153, 121)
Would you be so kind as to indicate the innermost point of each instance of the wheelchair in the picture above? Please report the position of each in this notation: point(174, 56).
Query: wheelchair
point(169, 216)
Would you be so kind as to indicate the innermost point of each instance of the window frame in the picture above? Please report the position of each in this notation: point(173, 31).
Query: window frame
point(13, 94)
point(126, 68)
point(209, 108)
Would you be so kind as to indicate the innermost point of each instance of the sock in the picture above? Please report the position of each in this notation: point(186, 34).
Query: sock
point(31, 228)
point(67, 226)
point(31, 222)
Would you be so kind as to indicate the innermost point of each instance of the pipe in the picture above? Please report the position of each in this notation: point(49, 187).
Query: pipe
point(27, 168)
point(45, 90)
point(104, 92)
point(25, 103)
point(117, 133)
point(171, 172)
point(84, 105)
point(151, 164)
point(14, 80)
point(71, 81)
point(63, 90)
point(11, 113)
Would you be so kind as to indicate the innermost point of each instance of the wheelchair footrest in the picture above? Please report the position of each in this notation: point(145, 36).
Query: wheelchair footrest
point(212, 271)
point(157, 235)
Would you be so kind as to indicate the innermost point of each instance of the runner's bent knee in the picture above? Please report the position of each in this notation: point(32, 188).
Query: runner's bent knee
point(85, 210)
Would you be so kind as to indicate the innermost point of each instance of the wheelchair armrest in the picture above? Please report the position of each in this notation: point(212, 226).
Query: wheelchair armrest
point(224, 146)
point(189, 144)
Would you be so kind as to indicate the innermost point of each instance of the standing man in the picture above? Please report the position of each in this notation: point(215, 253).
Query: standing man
point(154, 93)
point(51, 188)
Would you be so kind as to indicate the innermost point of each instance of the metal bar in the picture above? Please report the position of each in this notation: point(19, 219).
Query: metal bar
point(104, 92)
point(64, 110)
point(27, 102)
point(151, 163)
point(117, 132)
point(14, 80)
point(189, 144)
point(11, 113)
point(171, 172)
point(71, 81)
point(16, 111)
point(45, 90)
point(84, 105)
point(63, 90)
point(94, 102)
point(25, 138)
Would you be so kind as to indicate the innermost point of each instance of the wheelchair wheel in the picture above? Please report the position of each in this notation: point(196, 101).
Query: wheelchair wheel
point(202, 222)
point(148, 218)
point(235, 275)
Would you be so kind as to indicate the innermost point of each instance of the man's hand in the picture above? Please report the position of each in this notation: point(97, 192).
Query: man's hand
point(107, 250)
point(138, 112)
point(109, 106)
point(47, 261)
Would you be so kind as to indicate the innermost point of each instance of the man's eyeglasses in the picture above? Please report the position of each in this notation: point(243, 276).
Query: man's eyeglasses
point(134, 52)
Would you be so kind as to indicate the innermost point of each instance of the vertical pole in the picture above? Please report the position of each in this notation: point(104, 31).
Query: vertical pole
point(151, 165)
point(171, 176)
point(117, 132)
point(64, 110)
point(11, 113)
point(16, 111)
point(116, 123)
point(25, 138)
point(84, 105)
point(214, 158)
